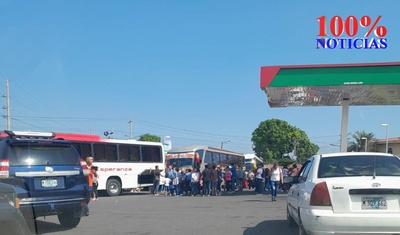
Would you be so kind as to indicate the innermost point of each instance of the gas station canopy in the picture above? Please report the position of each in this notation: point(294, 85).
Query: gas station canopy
point(332, 85)
point(329, 85)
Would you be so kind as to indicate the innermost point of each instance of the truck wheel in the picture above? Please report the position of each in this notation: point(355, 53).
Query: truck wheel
point(68, 220)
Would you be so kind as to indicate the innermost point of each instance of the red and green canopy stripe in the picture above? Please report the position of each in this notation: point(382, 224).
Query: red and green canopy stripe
point(326, 85)
point(330, 75)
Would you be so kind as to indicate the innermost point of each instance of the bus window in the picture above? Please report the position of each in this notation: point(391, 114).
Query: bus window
point(215, 158)
point(222, 159)
point(86, 150)
point(208, 159)
point(105, 152)
point(99, 153)
point(111, 152)
point(229, 159)
point(151, 153)
point(83, 149)
point(129, 153)
point(235, 160)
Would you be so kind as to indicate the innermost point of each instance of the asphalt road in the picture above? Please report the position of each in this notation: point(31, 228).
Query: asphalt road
point(241, 213)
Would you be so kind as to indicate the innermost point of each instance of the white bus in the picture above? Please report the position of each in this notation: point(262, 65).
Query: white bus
point(122, 164)
point(198, 156)
point(252, 161)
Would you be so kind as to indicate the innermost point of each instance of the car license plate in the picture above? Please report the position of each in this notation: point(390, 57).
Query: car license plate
point(49, 183)
point(373, 203)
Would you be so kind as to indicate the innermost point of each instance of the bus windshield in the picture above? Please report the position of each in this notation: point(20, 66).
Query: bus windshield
point(180, 162)
point(180, 159)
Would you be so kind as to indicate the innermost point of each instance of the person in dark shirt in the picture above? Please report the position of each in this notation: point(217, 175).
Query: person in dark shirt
point(206, 180)
point(156, 180)
point(234, 177)
point(214, 180)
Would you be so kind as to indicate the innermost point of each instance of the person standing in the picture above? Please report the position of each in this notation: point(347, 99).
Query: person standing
point(188, 179)
point(259, 179)
point(285, 172)
point(89, 165)
point(294, 171)
point(206, 174)
point(228, 179)
point(175, 181)
point(95, 194)
point(220, 180)
point(276, 178)
point(251, 180)
point(156, 180)
point(195, 182)
point(240, 178)
point(214, 180)
point(234, 177)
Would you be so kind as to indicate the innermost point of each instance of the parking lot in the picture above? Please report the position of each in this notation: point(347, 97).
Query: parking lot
point(141, 213)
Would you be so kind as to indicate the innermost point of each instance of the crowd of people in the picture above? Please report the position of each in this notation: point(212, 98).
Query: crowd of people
point(214, 180)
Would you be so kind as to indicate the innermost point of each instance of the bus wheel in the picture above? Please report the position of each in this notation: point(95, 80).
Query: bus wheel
point(113, 187)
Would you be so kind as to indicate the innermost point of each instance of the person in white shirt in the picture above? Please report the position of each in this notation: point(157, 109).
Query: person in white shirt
point(259, 179)
point(167, 183)
point(195, 182)
point(276, 178)
point(162, 181)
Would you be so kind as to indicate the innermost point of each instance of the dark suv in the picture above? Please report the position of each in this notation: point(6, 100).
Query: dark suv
point(48, 176)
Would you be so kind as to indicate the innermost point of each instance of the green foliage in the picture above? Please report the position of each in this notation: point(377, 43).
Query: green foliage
point(357, 144)
point(273, 138)
point(150, 138)
point(285, 161)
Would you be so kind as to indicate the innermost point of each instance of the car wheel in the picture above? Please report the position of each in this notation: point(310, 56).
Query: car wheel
point(302, 231)
point(290, 219)
point(113, 187)
point(68, 220)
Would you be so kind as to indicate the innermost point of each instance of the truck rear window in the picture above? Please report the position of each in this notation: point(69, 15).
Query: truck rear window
point(36, 154)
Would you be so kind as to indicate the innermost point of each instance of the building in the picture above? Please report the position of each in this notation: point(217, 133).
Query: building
point(393, 145)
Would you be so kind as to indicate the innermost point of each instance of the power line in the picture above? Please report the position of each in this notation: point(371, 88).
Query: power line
point(190, 131)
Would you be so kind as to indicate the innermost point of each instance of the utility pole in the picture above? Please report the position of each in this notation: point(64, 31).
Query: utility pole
point(222, 143)
point(130, 129)
point(8, 116)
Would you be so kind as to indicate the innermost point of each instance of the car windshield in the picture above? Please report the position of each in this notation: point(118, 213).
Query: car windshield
point(34, 154)
point(181, 162)
point(345, 166)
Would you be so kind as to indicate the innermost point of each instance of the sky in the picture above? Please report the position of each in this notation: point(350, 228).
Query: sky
point(185, 69)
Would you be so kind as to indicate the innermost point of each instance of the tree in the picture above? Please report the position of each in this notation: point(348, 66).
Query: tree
point(273, 138)
point(358, 142)
point(285, 161)
point(150, 138)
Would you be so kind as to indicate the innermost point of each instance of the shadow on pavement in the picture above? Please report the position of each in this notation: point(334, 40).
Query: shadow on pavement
point(43, 227)
point(272, 227)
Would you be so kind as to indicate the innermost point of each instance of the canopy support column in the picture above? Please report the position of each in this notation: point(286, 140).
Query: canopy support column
point(345, 123)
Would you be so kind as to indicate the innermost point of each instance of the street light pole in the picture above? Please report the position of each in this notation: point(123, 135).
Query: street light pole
point(222, 143)
point(387, 135)
point(366, 143)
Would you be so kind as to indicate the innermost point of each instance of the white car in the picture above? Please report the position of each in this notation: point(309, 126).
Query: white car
point(346, 193)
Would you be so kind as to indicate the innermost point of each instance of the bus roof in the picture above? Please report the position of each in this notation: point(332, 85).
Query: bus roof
point(252, 156)
point(99, 139)
point(193, 148)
